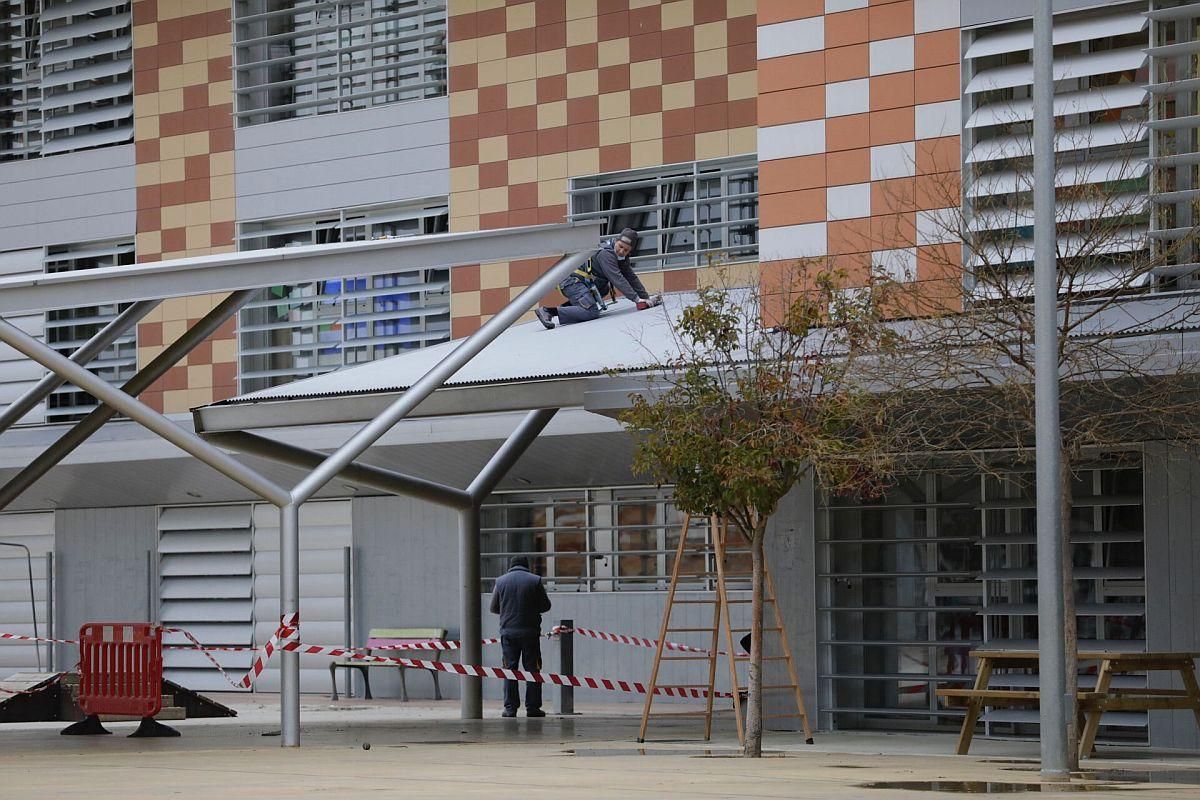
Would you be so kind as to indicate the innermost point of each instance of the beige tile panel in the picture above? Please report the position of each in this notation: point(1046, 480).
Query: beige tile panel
point(462, 224)
point(553, 192)
point(743, 141)
point(197, 215)
point(195, 74)
point(578, 9)
point(645, 73)
point(145, 35)
point(223, 210)
point(464, 203)
point(491, 48)
point(145, 105)
point(520, 170)
point(464, 179)
point(147, 354)
point(220, 93)
point(222, 187)
point(585, 83)
point(742, 85)
point(198, 397)
point(175, 401)
point(519, 17)
point(728, 276)
point(740, 8)
point(149, 242)
point(712, 144)
point(582, 31)
point(462, 52)
point(493, 72)
point(224, 351)
point(711, 63)
point(678, 14)
point(172, 169)
point(552, 62)
point(614, 105)
point(492, 201)
point(493, 276)
point(170, 101)
point(653, 281)
point(147, 175)
point(173, 217)
point(552, 166)
point(488, 5)
point(464, 304)
point(145, 128)
point(646, 154)
point(170, 77)
point(522, 93)
point(195, 144)
point(493, 148)
point(222, 163)
point(219, 46)
point(522, 68)
point(584, 162)
point(711, 35)
point(195, 50)
point(613, 52)
point(678, 95)
point(552, 115)
point(645, 127)
point(614, 131)
point(464, 102)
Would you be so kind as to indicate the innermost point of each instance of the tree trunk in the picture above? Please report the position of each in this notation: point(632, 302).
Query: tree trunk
point(1070, 624)
point(753, 744)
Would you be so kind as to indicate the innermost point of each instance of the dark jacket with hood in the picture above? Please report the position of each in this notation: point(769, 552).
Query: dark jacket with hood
point(618, 272)
point(520, 599)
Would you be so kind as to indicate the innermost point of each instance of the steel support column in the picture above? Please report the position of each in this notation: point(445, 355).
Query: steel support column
point(86, 352)
point(289, 604)
point(470, 615)
point(1051, 646)
point(148, 418)
point(513, 448)
point(145, 377)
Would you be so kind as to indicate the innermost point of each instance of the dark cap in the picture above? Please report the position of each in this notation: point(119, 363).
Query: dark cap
point(518, 561)
point(629, 236)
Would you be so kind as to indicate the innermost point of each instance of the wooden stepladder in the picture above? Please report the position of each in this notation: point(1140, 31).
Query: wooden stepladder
point(723, 628)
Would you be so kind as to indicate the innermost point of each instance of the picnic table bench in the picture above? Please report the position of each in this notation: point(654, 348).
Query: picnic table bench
point(1092, 704)
point(394, 639)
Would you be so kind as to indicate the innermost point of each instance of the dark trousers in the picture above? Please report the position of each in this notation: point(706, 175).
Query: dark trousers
point(518, 648)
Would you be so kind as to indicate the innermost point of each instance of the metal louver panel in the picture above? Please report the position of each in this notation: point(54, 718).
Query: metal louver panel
point(1064, 33)
point(325, 529)
point(35, 531)
point(1105, 98)
point(1082, 66)
point(206, 585)
point(93, 116)
point(88, 72)
point(89, 27)
point(106, 91)
point(65, 9)
point(85, 50)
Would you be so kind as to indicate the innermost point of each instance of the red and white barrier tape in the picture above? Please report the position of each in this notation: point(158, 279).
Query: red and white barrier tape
point(16, 637)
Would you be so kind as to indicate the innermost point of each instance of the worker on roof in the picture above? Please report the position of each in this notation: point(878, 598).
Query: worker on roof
point(585, 288)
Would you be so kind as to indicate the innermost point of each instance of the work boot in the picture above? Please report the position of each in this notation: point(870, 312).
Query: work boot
point(544, 317)
point(535, 712)
point(509, 712)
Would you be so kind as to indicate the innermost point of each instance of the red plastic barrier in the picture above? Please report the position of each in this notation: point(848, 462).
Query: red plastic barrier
point(120, 668)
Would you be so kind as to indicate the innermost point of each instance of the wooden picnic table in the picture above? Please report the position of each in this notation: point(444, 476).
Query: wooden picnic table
point(1091, 703)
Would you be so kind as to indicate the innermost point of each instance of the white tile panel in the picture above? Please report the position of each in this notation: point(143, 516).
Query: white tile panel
point(934, 120)
point(791, 140)
point(848, 202)
point(891, 55)
point(893, 161)
point(834, 6)
point(847, 97)
point(900, 264)
point(790, 38)
point(939, 226)
point(934, 15)
point(793, 241)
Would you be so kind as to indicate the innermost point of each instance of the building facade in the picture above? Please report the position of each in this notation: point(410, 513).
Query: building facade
point(737, 135)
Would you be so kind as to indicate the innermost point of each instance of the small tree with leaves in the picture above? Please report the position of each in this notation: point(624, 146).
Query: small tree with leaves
point(765, 389)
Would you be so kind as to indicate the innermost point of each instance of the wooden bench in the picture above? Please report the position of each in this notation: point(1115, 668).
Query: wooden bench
point(392, 638)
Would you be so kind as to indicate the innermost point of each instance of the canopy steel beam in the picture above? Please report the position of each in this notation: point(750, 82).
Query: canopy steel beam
point(144, 378)
point(86, 352)
point(384, 480)
point(254, 269)
point(138, 412)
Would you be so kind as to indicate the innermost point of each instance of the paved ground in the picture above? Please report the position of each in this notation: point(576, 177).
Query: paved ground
point(421, 749)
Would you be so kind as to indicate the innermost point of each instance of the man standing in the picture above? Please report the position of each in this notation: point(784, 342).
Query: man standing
point(520, 600)
point(585, 287)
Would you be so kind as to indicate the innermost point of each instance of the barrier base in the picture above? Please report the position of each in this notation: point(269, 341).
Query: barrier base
point(152, 728)
point(89, 726)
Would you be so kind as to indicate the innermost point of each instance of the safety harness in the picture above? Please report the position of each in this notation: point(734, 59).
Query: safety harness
point(586, 275)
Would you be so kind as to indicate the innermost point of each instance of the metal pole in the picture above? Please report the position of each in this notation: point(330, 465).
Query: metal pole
point(346, 611)
point(37, 646)
point(471, 627)
point(1051, 645)
point(514, 446)
point(152, 420)
point(566, 665)
point(385, 480)
point(86, 352)
point(432, 380)
point(50, 608)
point(145, 377)
point(289, 604)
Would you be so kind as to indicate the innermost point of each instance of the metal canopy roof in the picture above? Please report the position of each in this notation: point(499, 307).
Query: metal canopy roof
point(526, 367)
point(226, 272)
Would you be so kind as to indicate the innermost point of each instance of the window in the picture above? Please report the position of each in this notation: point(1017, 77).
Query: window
point(311, 328)
point(597, 540)
point(297, 59)
point(1100, 67)
point(67, 329)
point(66, 76)
point(689, 215)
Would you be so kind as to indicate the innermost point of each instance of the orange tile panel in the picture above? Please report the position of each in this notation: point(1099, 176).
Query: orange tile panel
point(791, 72)
point(791, 105)
point(847, 63)
point(892, 91)
point(937, 84)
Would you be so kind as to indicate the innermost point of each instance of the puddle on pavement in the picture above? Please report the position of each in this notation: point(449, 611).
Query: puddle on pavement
point(648, 751)
point(1184, 776)
point(989, 787)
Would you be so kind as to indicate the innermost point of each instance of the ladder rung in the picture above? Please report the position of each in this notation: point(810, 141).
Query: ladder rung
point(681, 686)
point(689, 630)
point(780, 686)
point(741, 657)
point(688, 602)
point(781, 716)
point(747, 630)
point(661, 714)
point(686, 658)
point(731, 602)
